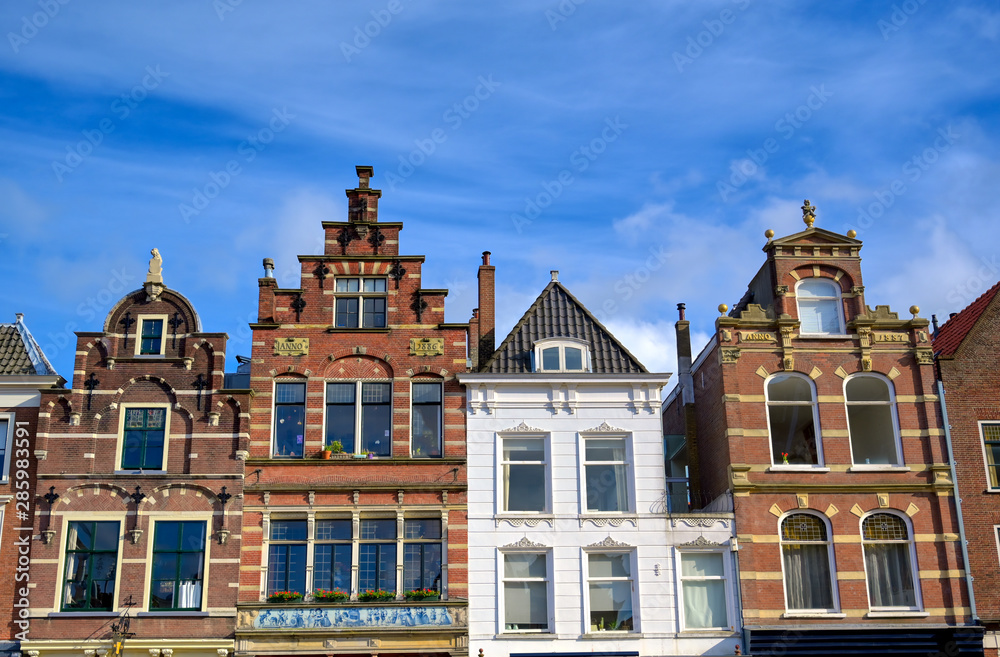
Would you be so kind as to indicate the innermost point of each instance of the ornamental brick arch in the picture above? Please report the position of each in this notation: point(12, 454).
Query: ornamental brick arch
point(93, 497)
point(358, 367)
point(96, 354)
point(835, 274)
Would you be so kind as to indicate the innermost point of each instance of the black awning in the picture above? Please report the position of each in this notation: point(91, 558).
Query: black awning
point(910, 641)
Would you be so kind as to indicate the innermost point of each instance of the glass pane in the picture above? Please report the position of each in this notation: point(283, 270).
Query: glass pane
point(296, 568)
point(678, 496)
point(374, 313)
point(165, 566)
point(705, 604)
point(168, 536)
point(793, 435)
point(423, 528)
point(789, 388)
point(524, 487)
point(102, 594)
point(523, 449)
point(426, 431)
point(340, 426)
point(525, 606)
point(103, 565)
point(707, 564)
point(333, 568)
point(289, 429)
point(376, 421)
point(290, 393)
point(574, 358)
point(135, 418)
point(873, 436)
point(524, 566)
point(333, 530)
point(550, 358)
point(374, 285)
point(610, 606)
point(162, 594)
point(609, 565)
point(155, 418)
point(426, 392)
point(288, 530)
point(606, 488)
point(817, 287)
point(191, 566)
point(884, 527)
point(193, 536)
point(606, 450)
point(376, 393)
point(106, 536)
point(81, 536)
point(807, 576)
point(803, 527)
point(340, 393)
point(132, 450)
point(890, 579)
point(378, 529)
point(867, 388)
point(347, 313)
point(819, 316)
point(348, 285)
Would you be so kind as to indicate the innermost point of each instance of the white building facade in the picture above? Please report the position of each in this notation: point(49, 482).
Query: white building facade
point(572, 549)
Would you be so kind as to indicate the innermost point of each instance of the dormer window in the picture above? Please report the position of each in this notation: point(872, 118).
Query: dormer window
point(820, 309)
point(561, 355)
point(361, 303)
point(150, 340)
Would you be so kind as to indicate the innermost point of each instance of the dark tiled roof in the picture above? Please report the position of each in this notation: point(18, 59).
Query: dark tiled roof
point(949, 337)
point(557, 314)
point(14, 357)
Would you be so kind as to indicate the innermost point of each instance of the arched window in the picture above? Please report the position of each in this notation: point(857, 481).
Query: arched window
point(871, 421)
point(805, 553)
point(794, 426)
point(889, 562)
point(820, 308)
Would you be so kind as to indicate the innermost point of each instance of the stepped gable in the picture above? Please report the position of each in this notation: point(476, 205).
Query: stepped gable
point(556, 313)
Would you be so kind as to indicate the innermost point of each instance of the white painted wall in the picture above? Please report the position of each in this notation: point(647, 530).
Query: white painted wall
point(562, 409)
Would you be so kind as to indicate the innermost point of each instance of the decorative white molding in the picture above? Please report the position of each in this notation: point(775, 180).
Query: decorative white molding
point(613, 521)
point(524, 543)
point(701, 542)
point(522, 428)
point(700, 522)
point(608, 542)
point(524, 522)
point(605, 428)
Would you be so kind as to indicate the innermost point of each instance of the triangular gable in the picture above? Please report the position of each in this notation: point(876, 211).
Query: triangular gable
point(950, 336)
point(556, 313)
point(815, 236)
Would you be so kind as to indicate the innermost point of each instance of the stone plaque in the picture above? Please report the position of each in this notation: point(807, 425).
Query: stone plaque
point(291, 347)
point(426, 346)
point(758, 336)
point(892, 337)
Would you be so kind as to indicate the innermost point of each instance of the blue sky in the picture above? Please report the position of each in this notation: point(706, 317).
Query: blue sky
point(640, 148)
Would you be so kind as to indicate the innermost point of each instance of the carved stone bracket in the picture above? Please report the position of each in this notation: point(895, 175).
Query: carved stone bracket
point(135, 535)
point(924, 357)
point(780, 290)
point(223, 536)
point(730, 355)
point(47, 536)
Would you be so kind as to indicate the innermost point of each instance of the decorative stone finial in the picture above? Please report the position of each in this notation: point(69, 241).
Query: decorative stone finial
point(808, 214)
point(155, 273)
point(555, 274)
point(852, 233)
point(723, 309)
point(769, 234)
point(914, 310)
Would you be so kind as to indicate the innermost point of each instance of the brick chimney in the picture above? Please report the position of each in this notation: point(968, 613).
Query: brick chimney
point(487, 310)
point(362, 201)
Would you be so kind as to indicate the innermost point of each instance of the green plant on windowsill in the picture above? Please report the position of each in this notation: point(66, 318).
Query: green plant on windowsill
point(323, 595)
point(423, 594)
point(284, 596)
point(336, 447)
point(377, 595)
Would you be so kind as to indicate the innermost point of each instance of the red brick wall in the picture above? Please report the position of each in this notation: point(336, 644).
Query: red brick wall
point(11, 552)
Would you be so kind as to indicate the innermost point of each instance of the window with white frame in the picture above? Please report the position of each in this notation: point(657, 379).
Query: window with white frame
point(359, 417)
point(526, 592)
point(703, 586)
point(144, 437)
point(678, 492)
point(426, 424)
point(561, 355)
point(422, 554)
point(178, 570)
point(360, 303)
point(91, 566)
point(807, 557)
point(289, 419)
point(6, 444)
point(524, 483)
point(991, 448)
point(889, 560)
point(611, 592)
point(792, 420)
point(150, 339)
point(871, 420)
point(286, 563)
point(821, 311)
point(606, 469)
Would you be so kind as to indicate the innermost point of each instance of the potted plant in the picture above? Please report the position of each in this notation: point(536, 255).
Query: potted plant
point(323, 595)
point(423, 594)
point(284, 596)
point(327, 451)
point(377, 595)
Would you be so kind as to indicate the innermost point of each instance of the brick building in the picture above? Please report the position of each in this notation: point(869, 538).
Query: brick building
point(24, 373)
point(968, 358)
point(821, 415)
point(139, 489)
point(360, 359)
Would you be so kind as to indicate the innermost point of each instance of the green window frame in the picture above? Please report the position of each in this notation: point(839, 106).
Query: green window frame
point(151, 337)
point(144, 438)
point(178, 569)
point(91, 565)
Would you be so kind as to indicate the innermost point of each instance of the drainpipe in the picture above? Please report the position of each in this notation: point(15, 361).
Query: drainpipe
point(958, 503)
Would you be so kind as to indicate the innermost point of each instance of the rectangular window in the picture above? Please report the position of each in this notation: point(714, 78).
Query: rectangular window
point(422, 555)
point(6, 445)
point(606, 472)
point(425, 437)
point(91, 565)
point(178, 565)
point(377, 556)
point(525, 476)
point(151, 337)
point(144, 438)
point(289, 419)
point(371, 419)
point(526, 592)
point(678, 495)
point(991, 443)
point(610, 585)
point(703, 583)
point(367, 295)
point(332, 568)
point(286, 564)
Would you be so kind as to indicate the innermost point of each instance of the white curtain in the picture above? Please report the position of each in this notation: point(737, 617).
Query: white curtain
point(705, 604)
point(890, 578)
point(807, 576)
point(189, 595)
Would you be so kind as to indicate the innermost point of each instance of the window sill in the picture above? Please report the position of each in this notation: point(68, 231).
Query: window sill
point(879, 468)
point(791, 467)
point(337, 329)
point(82, 614)
point(140, 472)
point(611, 634)
point(526, 634)
point(805, 615)
point(196, 614)
point(897, 614)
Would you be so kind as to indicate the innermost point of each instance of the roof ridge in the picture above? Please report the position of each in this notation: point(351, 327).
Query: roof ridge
point(950, 336)
point(601, 326)
point(516, 328)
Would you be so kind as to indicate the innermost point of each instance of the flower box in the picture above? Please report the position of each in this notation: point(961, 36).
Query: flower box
point(423, 594)
point(377, 596)
point(285, 596)
point(323, 595)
